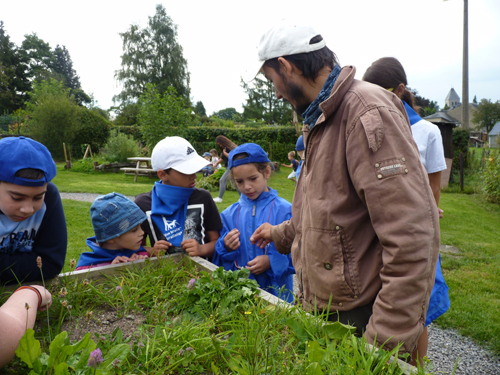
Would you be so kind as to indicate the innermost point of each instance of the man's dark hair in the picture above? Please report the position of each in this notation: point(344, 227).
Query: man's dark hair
point(30, 174)
point(308, 63)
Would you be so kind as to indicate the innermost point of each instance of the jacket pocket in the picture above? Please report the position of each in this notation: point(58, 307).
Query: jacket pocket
point(327, 265)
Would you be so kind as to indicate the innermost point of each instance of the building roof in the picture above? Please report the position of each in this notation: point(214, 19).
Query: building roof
point(495, 130)
point(442, 116)
point(452, 95)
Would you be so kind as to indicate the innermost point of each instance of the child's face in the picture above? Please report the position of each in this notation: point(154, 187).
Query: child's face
point(250, 181)
point(207, 157)
point(176, 178)
point(19, 202)
point(131, 240)
point(290, 157)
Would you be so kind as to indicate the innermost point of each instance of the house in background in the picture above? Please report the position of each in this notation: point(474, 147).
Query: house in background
point(493, 138)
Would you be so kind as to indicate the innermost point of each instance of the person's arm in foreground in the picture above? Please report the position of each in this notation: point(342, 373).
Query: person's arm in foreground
point(435, 182)
point(15, 318)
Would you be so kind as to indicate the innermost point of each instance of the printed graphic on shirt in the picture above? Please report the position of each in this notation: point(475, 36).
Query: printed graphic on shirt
point(20, 236)
point(173, 228)
point(194, 227)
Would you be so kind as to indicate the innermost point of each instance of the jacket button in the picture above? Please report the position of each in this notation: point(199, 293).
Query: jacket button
point(328, 266)
point(337, 227)
point(377, 165)
point(406, 170)
point(355, 297)
point(423, 307)
point(379, 176)
point(403, 159)
point(340, 304)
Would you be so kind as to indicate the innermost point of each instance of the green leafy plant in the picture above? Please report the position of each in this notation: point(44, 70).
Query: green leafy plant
point(491, 178)
point(119, 147)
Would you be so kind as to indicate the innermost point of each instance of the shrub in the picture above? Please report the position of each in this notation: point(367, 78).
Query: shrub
point(461, 139)
point(119, 147)
point(91, 129)
point(211, 183)
point(491, 179)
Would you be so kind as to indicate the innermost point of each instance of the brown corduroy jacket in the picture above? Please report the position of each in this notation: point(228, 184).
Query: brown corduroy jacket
point(364, 222)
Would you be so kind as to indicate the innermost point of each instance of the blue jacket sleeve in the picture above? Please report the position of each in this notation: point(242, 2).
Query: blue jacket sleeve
point(50, 244)
point(223, 257)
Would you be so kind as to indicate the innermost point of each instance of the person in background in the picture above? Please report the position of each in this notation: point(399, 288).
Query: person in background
point(181, 218)
point(208, 170)
point(118, 234)
point(215, 159)
point(226, 145)
point(355, 213)
point(17, 314)
point(32, 222)
point(250, 169)
point(388, 73)
point(293, 164)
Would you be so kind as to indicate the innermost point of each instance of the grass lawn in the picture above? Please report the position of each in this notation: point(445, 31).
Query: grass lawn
point(469, 223)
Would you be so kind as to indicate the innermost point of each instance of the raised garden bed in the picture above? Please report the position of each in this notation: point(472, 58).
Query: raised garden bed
point(181, 315)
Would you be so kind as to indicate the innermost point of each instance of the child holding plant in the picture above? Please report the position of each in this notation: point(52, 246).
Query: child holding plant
point(250, 169)
point(118, 233)
point(32, 222)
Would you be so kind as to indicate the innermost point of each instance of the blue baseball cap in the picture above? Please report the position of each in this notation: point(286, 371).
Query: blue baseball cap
point(256, 154)
point(114, 214)
point(18, 153)
point(299, 146)
point(206, 154)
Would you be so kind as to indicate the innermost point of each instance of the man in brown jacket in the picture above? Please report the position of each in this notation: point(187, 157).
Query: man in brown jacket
point(364, 230)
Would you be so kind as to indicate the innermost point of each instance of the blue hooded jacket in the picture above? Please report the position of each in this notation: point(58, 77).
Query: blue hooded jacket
point(247, 215)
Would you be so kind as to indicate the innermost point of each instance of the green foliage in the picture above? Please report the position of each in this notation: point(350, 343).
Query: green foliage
point(491, 179)
point(460, 145)
point(152, 56)
point(119, 147)
point(91, 129)
point(212, 182)
point(431, 109)
point(126, 114)
point(262, 103)
point(487, 114)
point(226, 114)
point(53, 116)
point(162, 115)
point(199, 109)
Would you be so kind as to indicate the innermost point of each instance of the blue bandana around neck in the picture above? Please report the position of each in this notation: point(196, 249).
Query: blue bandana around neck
point(412, 115)
point(168, 210)
point(313, 112)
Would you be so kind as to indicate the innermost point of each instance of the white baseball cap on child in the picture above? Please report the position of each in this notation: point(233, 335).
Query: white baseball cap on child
point(178, 154)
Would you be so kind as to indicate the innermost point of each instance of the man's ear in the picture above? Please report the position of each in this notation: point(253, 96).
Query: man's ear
point(161, 174)
point(286, 66)
point(400, 90)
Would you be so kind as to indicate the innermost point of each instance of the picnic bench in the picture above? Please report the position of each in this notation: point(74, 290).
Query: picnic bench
point(142, 167)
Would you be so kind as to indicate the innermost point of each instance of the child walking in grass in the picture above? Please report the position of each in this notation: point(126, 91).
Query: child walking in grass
point(250, 169)
point(118, 233)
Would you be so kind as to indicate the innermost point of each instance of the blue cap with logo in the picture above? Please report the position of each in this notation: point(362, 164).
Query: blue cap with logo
point(256, 154)
point(299, 146)
point(18, 153)
point(114, 214)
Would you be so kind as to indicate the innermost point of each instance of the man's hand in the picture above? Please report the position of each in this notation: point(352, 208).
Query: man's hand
point(232, 240)
point(191, 247)
point(259, 264)
point(262, 236)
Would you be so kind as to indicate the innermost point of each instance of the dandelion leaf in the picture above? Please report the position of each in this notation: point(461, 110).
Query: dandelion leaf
point(61, 369)
point(29, 348)
point(314, 369)
point(338, 330)
point(314, 352)
point(119, 352)
point(55, 349)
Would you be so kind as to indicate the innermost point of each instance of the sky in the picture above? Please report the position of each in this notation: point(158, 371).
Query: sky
point(220, 39)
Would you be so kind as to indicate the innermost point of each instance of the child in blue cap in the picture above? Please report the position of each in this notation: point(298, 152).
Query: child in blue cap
point(250, 169)
point(118, 233)
point(32, 222)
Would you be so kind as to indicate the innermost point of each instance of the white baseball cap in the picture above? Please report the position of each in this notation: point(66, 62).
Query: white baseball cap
point(284, 40)
point(178, 154)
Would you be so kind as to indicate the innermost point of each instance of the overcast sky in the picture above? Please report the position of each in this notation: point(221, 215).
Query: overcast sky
point(220, 38)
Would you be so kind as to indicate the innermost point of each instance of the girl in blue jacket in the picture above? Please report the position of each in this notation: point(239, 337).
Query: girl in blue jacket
point(250, 169)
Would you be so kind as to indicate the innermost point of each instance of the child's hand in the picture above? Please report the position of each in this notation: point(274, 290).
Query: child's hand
point(159, 248)
point(137, 256)
point(232, 240)
point(262, 236)
point(191, 247)
point(120, 259)
point(259, 264)
point(440, 213)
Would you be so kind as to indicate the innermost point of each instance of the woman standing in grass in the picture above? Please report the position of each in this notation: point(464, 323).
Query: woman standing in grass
point(226, 145)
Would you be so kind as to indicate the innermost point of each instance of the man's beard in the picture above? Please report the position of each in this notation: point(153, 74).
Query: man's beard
point(296, 94)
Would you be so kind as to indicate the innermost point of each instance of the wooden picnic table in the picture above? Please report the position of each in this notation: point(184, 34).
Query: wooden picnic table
point(143, 167)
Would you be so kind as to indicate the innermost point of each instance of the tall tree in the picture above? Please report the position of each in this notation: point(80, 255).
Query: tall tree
point(152, 55)
point(262, 103)
point(199, 109)
point(487, 114)
point(226, 114)
point(14, 83)
point(38, 57)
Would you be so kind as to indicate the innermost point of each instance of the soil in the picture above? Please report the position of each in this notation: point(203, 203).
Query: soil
point(103, 322)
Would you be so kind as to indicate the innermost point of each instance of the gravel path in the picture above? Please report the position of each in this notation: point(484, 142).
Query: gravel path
point(445, 346)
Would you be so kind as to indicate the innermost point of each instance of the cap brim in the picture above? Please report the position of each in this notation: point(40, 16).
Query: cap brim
point(253, 70)
point(192, 165)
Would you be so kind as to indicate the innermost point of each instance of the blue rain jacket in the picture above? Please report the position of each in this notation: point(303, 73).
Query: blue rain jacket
point(247, 215)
